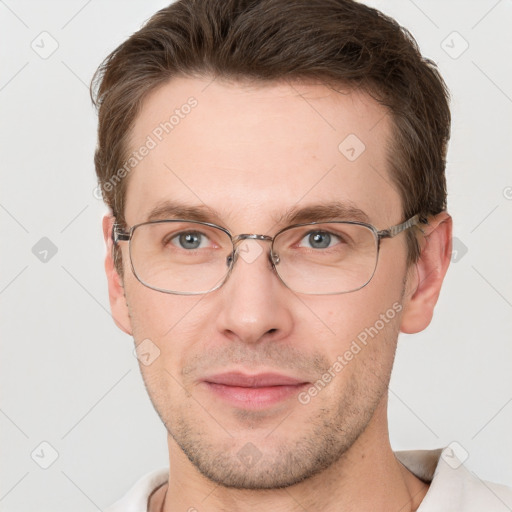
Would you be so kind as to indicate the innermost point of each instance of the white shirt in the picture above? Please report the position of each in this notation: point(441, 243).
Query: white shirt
point(452, 486)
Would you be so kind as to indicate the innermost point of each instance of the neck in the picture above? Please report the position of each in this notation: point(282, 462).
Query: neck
point(367, 477)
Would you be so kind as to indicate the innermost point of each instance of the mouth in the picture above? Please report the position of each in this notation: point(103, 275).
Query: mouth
point(253, 391)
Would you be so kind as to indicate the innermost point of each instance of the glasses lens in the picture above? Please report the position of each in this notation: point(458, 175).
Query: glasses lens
point(326, 258)
point(182, 257)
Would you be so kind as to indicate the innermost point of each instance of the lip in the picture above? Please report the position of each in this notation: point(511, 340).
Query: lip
point(258, 380)
point(255, 391)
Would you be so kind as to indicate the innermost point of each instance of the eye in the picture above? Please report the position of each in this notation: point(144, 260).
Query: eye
point(190, 240)
point(319, 240)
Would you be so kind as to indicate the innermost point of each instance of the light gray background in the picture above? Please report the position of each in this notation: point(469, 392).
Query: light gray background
point(68, 375)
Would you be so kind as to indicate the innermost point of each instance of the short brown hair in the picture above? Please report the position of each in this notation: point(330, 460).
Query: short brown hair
point(331, 41)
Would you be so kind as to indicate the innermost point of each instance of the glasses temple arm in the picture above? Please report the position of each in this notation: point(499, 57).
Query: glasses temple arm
point(118, 234)
point(395, 230)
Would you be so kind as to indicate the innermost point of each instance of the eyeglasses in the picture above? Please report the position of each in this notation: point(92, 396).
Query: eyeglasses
point(318, 258)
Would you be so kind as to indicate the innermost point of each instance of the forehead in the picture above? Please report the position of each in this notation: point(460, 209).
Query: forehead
point(250, 153)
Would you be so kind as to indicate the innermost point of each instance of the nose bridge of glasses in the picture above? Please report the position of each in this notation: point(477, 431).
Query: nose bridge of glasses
point(249, 254)
point(244, 236)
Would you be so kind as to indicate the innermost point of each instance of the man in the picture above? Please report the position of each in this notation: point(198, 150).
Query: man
point(275, 173)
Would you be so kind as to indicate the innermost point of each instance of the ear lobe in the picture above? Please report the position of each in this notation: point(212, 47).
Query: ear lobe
point(428, 273)
point(118, 305)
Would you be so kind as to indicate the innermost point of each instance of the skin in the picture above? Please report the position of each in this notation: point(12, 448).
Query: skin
point(251, 152)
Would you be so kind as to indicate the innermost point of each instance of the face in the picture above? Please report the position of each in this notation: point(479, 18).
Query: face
point(238, 379)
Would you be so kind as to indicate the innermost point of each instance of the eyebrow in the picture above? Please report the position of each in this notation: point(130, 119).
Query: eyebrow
point(329, 211)
point(334, 210)
point(175, 210)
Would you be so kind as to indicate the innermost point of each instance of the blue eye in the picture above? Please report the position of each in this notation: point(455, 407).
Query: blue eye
point(189, 240)
point(320, 239)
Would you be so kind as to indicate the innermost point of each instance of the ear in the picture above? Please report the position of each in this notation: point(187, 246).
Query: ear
point(426, 276)
point(118, 304)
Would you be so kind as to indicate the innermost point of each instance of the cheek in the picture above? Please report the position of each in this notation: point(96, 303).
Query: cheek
point(154, 314)
point(357, 311)
point(362, 349)
point(170, 325)
point(361, 328)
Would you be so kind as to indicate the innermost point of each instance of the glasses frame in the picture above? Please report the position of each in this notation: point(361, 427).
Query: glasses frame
point(121, 235)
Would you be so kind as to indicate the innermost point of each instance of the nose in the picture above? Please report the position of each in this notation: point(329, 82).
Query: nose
point(255, 305)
